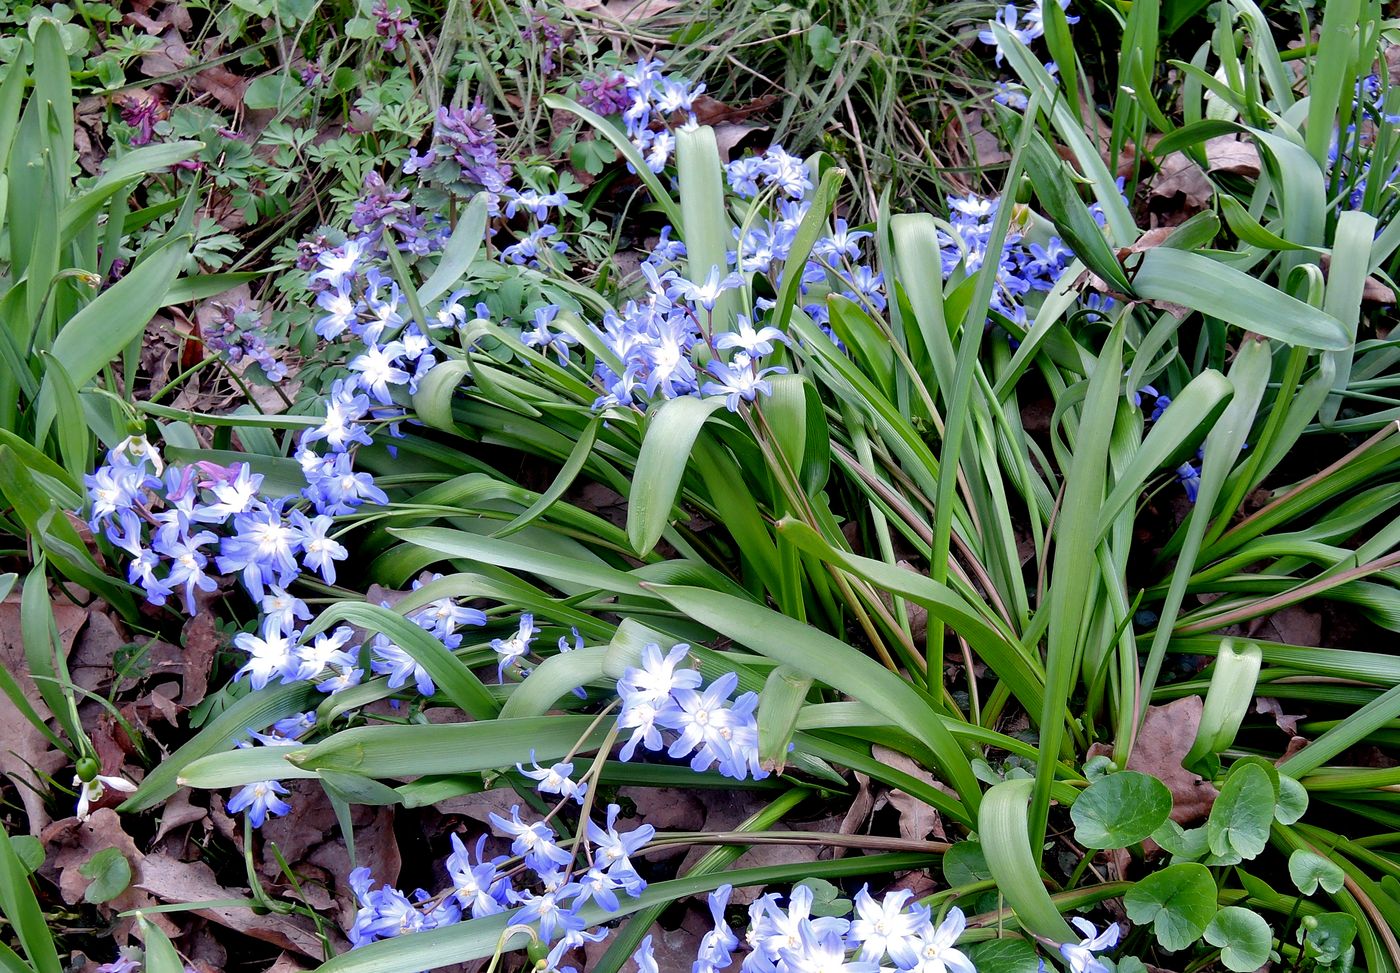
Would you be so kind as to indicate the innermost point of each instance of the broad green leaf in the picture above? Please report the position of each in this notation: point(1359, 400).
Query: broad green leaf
point(1003, 827)
point(1211, 287)
point(1120, 810)
point(29, 850)
point(707, 234)
point(108, 873)
point(116, 317)
point(433, 401)
point(1183, 844)
point(462, 248)
point(21, 908)
point(666, 449)
point(245, 765)
point(1243, 813)
point(1243, 936)
point(449, 748)
point(161, 956)
point(1229, 699)
point(1178, 901)
point(1309, 870)
point(779, 703)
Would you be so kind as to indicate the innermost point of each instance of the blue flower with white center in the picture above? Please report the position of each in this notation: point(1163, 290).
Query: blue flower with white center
point(645, 957)
point(260, 799)
point(512, 650)
point(756, 343)
point(339, 265)
point(544, 339)
point(600, 887)
point(269, 655)
point(549, 909)
point(555, 779)
point(738, 382)
point(659, 148)
point(612, 850)
point(141, 571)
point(1009, 18)
point(326, 651)
point(1080, 956)
point(888, 928)
point(717, 946)
point(708, 293)
point(187, 564)
point(282, 611)
point(843, 242)
point(535, 842)
point(342, 310)
point(478, 885)
point(346, 407)
point(823, 953)
point(935, 947)
point(378, 368)
point(395, 662)
point(452, 313)
point(333, 485)
point(263, 548)
point(658, 676)
point(743, 175)
point(787, 173)
point(320, 551)
point(527, 249)
point(344, 672)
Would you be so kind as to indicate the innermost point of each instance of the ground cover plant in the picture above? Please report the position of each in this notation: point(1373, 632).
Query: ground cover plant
point(613, 544)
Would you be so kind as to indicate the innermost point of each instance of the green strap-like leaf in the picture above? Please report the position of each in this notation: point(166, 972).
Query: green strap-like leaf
point(666, 449)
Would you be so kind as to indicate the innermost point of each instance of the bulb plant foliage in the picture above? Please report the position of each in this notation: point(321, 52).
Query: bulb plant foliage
point(841, 539)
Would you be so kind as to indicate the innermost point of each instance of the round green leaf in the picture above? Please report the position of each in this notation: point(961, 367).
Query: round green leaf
point(1120, 810)
point(1005, 956)
point(110, 874)
point(1328, 936)
point(29, 850)
point(1309, 870)
point(964, 864)
point(1178, 901)
point(1292, 800)
point(1243, 936)
point(1243, 813)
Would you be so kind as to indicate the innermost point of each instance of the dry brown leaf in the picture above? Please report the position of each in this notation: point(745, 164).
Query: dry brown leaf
point(1228, 153)
point(201, 641)
point(1159, 748)
point(631, 11)
point(1178, 176)
point(172, 880)
point(1267, 706)
point(177, 812)
point(917, 820)
point(71, 843)
point(25, 753)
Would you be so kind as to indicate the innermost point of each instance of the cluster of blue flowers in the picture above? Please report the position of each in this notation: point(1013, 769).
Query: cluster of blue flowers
point(173, 522)
point(891, 933)
point(1026, 30)
point(653, 101)
point(709, 728)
